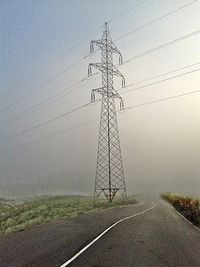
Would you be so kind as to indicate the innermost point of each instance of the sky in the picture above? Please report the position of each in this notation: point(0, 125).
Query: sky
point(42, 57)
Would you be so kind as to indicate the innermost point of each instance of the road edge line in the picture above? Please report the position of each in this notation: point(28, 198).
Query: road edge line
point(183, 217)
point(103, 233)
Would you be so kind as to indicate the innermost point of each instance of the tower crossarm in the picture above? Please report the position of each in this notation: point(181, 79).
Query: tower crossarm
point(103, 67)
point(98, 43)
point(116, 72)
point(112, 93)
point(99, 66)
point(115, 50)
point(101, 43)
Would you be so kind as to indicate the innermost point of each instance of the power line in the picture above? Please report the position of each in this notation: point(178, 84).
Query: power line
point(125, 11)
point(182, 38)
point(85, 105)
point(78, 61)
point(40, 105)
point(109, 21)
point(88, 55)
point(78, 43)
point(127, 61)
point(150, 22)
point(58, 133)
point(155, 20)
point(159, 47)
point(58, 74)
point(157, 82)
point(162, 99)
point(90, 121)
point(163, 46)
point(41, 85)
point(163, 74)
point(50, 99)
point(43, 123)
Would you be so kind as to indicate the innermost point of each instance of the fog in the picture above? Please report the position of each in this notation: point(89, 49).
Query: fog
point(160, 141)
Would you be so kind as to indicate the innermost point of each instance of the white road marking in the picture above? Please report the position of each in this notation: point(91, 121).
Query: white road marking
point(183, 217)
point(103, 233)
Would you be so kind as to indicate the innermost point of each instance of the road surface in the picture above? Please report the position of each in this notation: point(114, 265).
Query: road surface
point(159, 237)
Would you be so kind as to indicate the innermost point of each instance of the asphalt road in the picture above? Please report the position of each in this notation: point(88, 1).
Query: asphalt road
point(159, 237)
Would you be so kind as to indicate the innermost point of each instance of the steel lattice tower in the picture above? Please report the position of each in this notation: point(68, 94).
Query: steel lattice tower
point(109, 170)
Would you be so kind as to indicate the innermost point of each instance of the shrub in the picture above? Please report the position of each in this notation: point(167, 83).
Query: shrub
point(186, 205)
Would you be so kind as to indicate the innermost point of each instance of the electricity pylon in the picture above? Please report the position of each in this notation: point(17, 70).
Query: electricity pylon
point(109, 170)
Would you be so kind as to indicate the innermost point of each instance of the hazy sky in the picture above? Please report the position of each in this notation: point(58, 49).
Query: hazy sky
point(160, 142)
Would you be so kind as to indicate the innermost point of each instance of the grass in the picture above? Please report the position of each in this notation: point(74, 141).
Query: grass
point(188, 206)
point(18, 217)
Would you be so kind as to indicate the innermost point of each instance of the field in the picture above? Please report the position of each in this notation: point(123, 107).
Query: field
point(188, 206)
point(18, 217)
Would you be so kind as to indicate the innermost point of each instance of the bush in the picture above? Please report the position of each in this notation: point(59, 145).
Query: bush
point(186, 205)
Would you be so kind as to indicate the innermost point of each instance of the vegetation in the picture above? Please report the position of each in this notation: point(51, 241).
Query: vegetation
point(18, 217)
point(188, 206)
